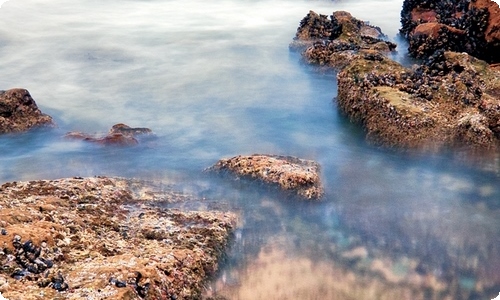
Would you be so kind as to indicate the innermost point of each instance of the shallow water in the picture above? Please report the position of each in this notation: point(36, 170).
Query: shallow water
point(216, 79)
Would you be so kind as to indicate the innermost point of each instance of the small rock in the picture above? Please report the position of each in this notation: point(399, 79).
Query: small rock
point(19, 112)
point(288, 173)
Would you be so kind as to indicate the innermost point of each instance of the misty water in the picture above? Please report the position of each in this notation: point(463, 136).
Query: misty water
point(215, 79)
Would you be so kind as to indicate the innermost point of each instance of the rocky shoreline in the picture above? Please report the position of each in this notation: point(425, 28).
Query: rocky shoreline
point(96, 238)
point(449, 101)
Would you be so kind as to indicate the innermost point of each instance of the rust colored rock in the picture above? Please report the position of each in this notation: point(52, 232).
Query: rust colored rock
point(19, 112)
point(332, 41)
point(98, 238)
point(460, 26)
point(450, 101)
point(119, 135)
point(290, 174)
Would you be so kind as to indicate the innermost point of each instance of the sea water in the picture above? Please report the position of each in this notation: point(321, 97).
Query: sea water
point(215, 79)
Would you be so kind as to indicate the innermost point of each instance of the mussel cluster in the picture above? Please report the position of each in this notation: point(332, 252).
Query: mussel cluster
point(428, 77)
point(462, 28)
point(141, 288)
point(31, 262)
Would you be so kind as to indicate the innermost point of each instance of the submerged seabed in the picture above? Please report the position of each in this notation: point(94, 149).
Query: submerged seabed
point(216, 79)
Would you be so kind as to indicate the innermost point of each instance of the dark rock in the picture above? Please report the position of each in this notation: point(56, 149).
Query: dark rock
point(19, 112)
point(334, 41)
point(290, 174)
point(460, 26)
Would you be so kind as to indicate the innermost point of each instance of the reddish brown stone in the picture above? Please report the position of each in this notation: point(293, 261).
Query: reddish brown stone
point(426, 15)
point(119, 135)
point(492, 33)
point(19, 112)
point(432, 30)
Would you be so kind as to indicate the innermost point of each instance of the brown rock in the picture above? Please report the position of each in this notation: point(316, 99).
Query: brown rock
point(119, 135)
point(331, 42)
point(129, 131)
point(450, 101)
point(19, 112)
point(96, 238)
point(290, 174)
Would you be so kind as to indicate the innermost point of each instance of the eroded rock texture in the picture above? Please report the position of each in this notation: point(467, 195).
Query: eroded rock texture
point(104, 238)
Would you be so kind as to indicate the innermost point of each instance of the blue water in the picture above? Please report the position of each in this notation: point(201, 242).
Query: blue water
point(216, 79)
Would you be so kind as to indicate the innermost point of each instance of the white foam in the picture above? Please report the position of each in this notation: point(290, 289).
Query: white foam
point(2, 2)
point(498, 297)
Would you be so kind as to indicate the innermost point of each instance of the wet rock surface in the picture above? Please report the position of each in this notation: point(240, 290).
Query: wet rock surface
point(96, 238)
point(290, 174)
point(450, 100)
point(119, 135)
point(335, 40)
point(460, 26)
point(19, 112)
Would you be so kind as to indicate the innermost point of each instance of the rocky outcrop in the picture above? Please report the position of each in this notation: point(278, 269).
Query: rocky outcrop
point(451, 100)
point(460, 26)
point(290, 174)
point(119, 135)
point(19, 112)
point(104, 238)
point(333, 41)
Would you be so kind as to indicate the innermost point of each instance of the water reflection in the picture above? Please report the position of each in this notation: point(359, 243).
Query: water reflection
point(422, 238)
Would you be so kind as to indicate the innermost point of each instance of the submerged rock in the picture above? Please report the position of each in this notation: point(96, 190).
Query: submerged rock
point(95, 238)
point(119, 135)
point(290, 174)
point(451, 100)
point(19, 112)
point(460, 26)
point(334, 41)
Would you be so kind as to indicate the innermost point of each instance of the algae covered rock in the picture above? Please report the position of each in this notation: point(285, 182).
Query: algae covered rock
point(290, 174)
point(99, 238)
point(333, 41)
point(19, 112)
point(450, 100)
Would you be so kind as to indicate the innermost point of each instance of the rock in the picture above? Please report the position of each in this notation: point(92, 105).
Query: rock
point(19, 112)
point(119, 135)
point(126, 130)
point(334, 41)
point(463, 26)
point(96, 238)
point(290, 174)
point(450, 101)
